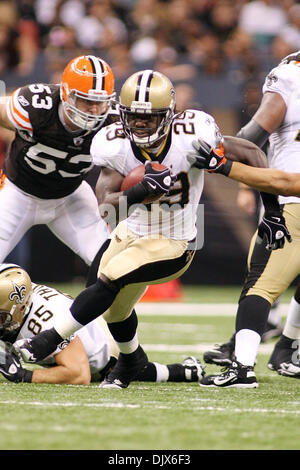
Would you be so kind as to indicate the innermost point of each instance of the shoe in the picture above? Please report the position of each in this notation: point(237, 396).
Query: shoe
point(126, 370)
point(236, 376)
point(285, 359)
point(194, 370)
point(221, 354)
point(271, 331)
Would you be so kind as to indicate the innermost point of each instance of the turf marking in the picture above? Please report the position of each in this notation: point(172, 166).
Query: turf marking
point(193, 309)
point(199, 348)
point(214, 409)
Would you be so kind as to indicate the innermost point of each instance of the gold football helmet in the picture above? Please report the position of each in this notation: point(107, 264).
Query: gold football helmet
point(147, 104)
point(15, 294)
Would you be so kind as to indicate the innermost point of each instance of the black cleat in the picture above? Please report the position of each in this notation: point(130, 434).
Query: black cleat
point(126, 370)
point(285, 358)
point(193, 369)
point(236, 376)
point(38, 347)
point(221, 354)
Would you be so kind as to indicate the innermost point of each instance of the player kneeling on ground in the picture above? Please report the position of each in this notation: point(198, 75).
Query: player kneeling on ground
point(27, 308)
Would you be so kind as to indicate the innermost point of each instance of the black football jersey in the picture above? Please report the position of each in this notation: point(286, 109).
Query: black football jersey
point(44, 159)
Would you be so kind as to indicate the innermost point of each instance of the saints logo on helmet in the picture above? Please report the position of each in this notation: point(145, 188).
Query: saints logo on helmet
point(90, 79)
point(15, 294)
point(147, 103)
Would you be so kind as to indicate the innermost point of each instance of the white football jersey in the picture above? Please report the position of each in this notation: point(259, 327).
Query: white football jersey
point(175, 216)
point(284, 150)
point(46, 304)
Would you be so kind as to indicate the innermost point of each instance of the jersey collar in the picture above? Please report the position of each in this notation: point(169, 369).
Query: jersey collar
point(142, 155)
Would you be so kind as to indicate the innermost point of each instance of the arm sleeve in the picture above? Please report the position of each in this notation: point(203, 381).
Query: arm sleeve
point(17, 113)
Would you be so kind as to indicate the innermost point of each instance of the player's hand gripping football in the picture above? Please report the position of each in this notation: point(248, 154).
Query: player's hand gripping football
point(207, 158)
point(10, 365)
point(273, 229)
point(157, 181)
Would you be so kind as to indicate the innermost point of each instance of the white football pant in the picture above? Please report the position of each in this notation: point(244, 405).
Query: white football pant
point(73, 219)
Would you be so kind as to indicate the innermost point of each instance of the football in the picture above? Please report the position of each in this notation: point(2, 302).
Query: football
point(136, 175)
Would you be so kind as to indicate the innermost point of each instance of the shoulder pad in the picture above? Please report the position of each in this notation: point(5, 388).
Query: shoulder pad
point(28, 104)
point(17, 109)
point(282, 80)
point(110, 141)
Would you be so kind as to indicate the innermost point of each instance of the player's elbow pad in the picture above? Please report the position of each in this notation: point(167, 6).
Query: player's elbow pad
point(254, 133)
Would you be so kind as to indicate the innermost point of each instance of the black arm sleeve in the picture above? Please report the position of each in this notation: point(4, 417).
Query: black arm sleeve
point(254, 132)
point(259, 136)
point(270, 202)
point(136, 193)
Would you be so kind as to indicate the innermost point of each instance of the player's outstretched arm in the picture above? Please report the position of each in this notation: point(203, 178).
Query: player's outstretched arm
point(263, 179)
point(267, 179)
point(244, 151)
point(203, 156)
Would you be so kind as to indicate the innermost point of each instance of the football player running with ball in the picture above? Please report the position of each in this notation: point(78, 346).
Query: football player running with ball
point(156, 242)
point(27, 308)
point(42, 181)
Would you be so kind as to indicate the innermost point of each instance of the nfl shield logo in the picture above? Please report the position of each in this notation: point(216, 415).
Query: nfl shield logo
point(78, 140)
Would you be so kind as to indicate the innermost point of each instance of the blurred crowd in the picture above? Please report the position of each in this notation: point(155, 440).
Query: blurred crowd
point(216, 52)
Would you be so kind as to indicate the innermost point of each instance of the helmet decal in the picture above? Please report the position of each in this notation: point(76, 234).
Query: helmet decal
point(143, 86)
point(18, 294)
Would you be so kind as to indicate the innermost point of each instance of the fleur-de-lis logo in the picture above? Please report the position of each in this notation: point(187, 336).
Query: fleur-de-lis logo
point(18, 294)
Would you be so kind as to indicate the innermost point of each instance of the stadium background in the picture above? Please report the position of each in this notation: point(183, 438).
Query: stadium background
point(216, 53)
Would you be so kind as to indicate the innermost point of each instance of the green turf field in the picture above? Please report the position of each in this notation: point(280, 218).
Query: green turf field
point(159, 416)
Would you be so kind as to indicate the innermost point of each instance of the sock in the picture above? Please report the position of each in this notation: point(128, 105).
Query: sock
point(178, 373)
point(66, 325)
point(252, 314)
point(124, 333)
point(154, 372)
point(88, 305)
point(292, 325)
point(128, 347)
point(246, 346)
point(285, 342)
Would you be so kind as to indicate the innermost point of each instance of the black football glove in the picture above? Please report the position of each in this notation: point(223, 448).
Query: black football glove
point(10, 365)
point(207, 158)
point(157, 181)
point(273, 229)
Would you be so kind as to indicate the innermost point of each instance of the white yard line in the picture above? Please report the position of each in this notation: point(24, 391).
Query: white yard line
point(215, 409)
point(197, 309)
point(196, 348)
